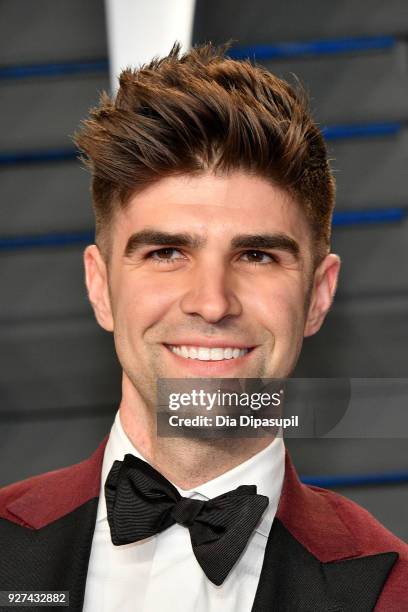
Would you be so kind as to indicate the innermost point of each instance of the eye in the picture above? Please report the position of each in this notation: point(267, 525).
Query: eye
point(259, 257)
point(165, 255)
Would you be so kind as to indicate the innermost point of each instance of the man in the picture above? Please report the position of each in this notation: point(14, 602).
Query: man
point(213, 199)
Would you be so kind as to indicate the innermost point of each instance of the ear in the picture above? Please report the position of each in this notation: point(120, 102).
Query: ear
point(96, 279)
point(324, 288)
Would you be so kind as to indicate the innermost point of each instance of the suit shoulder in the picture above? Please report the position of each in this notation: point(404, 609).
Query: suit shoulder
point(13, 491)
point(51, 494)
point(370, 535)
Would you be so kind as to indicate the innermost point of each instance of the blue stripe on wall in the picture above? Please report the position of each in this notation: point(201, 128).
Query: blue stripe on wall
point(317, 47)
point(46, 240)
point(53, 70)
point(334, 132)
point(343, 218)
point(260, 52)
point(30, 157)
point(361, 217)
point(361, 130)
point(356, 480)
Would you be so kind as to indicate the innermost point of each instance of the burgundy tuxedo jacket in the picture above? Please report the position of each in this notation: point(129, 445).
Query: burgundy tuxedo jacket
point(324, 553)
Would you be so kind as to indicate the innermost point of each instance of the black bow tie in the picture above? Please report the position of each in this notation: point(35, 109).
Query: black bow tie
point(141, 503)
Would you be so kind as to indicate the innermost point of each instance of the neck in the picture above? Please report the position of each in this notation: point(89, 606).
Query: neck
point(186, 462)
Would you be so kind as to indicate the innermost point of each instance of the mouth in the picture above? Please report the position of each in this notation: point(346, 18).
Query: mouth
point(209, 361)
point(205, 353)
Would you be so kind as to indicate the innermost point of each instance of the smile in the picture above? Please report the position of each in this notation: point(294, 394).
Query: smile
point(203, 353)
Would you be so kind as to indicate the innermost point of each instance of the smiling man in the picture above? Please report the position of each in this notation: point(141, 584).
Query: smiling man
point(207, 275)
point(213, 199)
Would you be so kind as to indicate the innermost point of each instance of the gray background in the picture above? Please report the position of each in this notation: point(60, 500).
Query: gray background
point(59, 379)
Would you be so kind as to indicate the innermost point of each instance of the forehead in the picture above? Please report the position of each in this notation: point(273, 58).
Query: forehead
point(218, 206)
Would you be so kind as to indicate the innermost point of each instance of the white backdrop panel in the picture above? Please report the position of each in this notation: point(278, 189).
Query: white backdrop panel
point(139, 30)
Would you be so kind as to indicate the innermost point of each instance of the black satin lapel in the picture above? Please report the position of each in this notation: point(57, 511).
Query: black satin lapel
point(359, 582)
point(293, 580)
point(53, 558)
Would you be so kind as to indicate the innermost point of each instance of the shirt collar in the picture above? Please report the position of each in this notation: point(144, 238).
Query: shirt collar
point(265, 470)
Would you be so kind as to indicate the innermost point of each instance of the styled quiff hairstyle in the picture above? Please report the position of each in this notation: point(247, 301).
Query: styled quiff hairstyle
point(187, 114)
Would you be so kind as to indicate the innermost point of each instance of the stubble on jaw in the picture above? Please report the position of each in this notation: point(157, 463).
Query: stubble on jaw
point(207, 459)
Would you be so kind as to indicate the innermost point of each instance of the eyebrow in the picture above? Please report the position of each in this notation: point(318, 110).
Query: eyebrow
point(153, 237)
point(150, 237)
point(267, 241)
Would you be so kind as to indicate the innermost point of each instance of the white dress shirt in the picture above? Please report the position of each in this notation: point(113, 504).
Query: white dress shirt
point(161, 573)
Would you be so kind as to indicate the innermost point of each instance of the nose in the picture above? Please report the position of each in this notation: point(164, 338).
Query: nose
point(210, 293)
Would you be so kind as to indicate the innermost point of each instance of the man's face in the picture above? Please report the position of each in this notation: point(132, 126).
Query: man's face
point(209, 276)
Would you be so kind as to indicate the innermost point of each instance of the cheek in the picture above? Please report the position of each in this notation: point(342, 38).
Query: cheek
point(280, 308)
point(141, 302)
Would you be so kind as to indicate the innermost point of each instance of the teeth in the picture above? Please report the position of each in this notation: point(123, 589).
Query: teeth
point(203, 353)
point(184, 352)
point(217, 354)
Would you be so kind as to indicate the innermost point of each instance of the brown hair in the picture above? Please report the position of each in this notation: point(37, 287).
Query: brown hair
point(204, 111)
